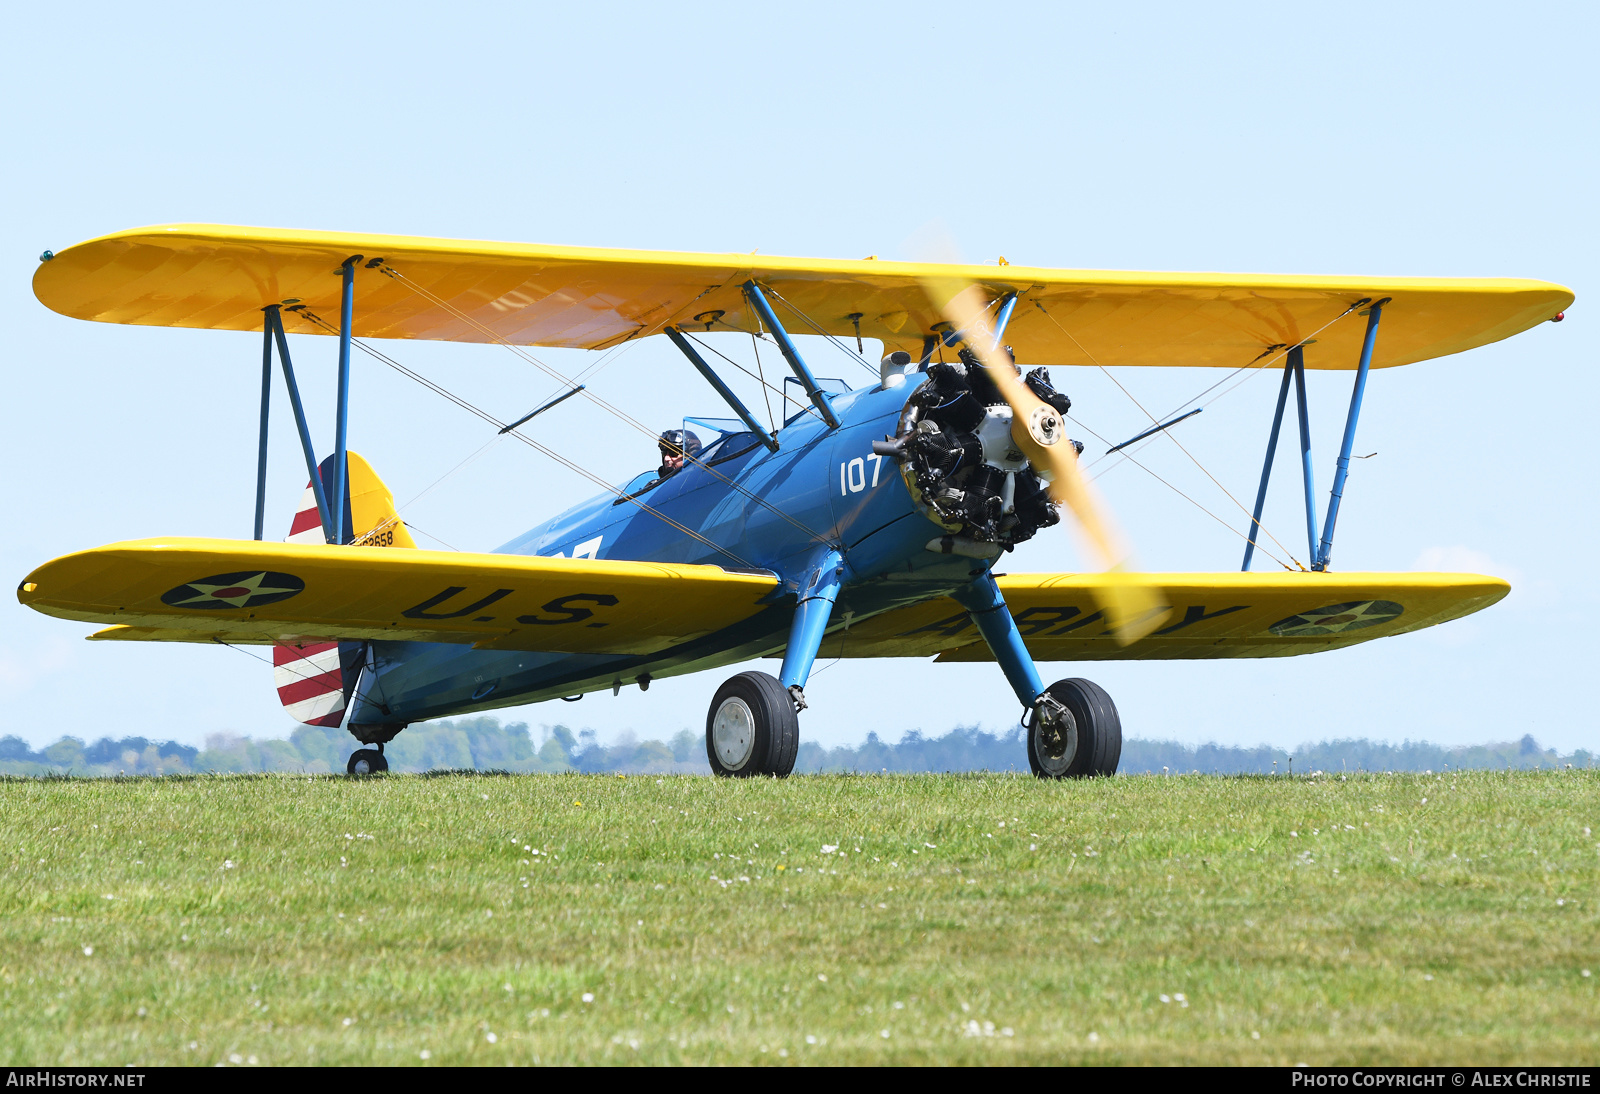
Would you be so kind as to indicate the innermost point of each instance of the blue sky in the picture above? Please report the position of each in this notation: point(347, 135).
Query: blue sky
point(1449, 140)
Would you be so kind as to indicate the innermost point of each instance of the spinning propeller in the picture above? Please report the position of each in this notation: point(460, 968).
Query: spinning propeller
point(1130, 603)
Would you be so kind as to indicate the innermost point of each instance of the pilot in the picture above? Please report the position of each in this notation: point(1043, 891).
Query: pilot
point(673, 444)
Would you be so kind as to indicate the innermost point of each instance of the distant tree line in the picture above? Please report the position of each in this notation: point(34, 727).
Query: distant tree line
point(484, 744)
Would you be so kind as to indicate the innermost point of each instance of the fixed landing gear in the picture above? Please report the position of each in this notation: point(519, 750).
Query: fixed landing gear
point(1074, 732)
point(367, 761)
point(752, 728)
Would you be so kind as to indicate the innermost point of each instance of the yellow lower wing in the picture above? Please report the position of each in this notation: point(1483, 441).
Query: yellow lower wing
point(197, 590)
point(1199, 616)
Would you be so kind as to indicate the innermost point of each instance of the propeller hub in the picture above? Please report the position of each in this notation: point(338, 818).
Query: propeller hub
point(1045, 426)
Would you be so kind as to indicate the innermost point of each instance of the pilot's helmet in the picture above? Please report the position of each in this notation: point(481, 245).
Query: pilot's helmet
point(678, 442)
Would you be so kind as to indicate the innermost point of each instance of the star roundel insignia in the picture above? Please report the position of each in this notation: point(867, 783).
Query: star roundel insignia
point(246, 589)
point(1338, 617)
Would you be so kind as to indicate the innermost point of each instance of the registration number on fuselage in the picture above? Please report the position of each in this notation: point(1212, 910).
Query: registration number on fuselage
point(853, 474)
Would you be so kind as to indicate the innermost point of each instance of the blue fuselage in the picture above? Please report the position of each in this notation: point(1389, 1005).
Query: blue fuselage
point(821, 489)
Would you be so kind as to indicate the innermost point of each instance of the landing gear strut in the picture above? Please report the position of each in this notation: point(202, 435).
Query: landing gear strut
point(367, 761)
point(1074, 732)
point(752, 727)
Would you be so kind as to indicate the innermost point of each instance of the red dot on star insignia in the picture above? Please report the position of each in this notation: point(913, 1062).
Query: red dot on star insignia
point(237, 590)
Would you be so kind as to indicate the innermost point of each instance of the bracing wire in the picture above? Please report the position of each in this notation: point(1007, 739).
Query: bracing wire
point(594, 398)
point(431, 536)
point(529, 441)
point(496, 439)
point(292, 670)
point(1190, 500)
point(808, 321)
point(761, 374)
point(1260, 363)
point(766, 386)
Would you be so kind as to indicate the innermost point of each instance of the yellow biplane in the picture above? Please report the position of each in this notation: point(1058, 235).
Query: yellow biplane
point(871, 514)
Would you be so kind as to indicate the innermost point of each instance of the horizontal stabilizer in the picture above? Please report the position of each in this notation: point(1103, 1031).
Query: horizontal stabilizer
point(247, 592)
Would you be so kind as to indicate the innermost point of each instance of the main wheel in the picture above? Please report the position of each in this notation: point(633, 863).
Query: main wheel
point(1089, 743)
point(752, 727)
point(367, 761)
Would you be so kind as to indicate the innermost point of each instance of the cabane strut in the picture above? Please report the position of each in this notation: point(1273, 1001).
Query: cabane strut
point(758, 301)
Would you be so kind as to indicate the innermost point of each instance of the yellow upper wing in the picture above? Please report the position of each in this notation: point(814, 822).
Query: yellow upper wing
point(1201, 616)
point(220, 277)
point(194, 590)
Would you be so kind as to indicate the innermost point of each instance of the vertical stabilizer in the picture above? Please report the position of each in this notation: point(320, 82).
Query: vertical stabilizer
point(315, 679)
point(370, 518)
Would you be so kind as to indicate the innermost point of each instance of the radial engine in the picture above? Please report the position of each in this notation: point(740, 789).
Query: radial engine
point(957, 457)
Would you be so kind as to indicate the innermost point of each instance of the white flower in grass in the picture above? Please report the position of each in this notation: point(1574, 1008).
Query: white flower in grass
point(588, 997)
point(425, 1055)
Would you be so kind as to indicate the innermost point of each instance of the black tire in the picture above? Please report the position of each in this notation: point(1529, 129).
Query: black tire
point(760, 729)
point(1097, 747)
point(367, 761)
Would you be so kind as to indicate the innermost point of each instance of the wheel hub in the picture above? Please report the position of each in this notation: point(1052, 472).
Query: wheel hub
point(1055, 737)
point(733, 733)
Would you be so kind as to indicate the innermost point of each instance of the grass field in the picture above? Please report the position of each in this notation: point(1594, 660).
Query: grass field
point(900, 919)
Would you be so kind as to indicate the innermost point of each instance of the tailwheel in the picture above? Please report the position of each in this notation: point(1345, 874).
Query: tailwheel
point(367, 761)
point(1074, 732)
point(752, 727)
